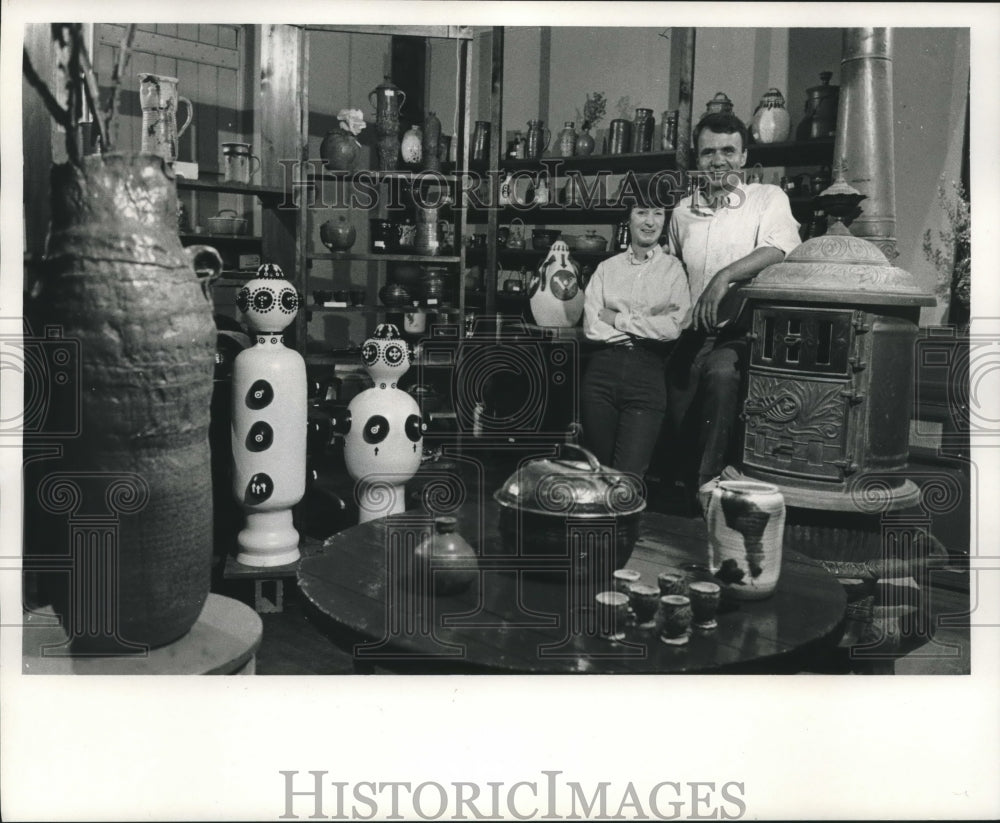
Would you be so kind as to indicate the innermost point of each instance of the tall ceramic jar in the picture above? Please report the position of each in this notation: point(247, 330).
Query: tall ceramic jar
point(746, 525)
point(387, 99)
point(567, 140)
point(771, 122)
point(118, 281)
point(642, 131)
point(432, 142)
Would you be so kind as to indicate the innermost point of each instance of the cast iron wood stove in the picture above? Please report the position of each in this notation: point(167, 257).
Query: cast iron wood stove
point(828, 401)
point(830, 380)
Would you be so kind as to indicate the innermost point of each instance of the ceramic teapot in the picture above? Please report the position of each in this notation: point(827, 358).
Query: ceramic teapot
point(555, 290)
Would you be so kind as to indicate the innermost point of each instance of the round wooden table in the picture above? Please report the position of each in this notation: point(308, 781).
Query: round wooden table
point(364, 594)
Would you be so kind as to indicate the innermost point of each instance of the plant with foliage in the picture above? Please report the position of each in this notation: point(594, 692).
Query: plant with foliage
point(593, 110)
point(951, 254)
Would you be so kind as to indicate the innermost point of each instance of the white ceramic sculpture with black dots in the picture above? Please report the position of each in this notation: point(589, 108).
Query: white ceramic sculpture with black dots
point(268, 422)
point(383, 441)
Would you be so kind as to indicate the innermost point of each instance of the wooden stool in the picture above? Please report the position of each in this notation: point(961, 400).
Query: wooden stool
point(268, 583)
point(224, 640)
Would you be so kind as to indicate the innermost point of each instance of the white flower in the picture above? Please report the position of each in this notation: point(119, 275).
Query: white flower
point(351, 120)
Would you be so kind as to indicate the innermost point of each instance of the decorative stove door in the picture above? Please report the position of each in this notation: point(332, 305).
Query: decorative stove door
point(798, 405)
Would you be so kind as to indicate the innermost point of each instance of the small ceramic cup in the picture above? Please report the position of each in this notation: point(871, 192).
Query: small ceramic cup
point(676, 612)
point(357, 296)
point(672, 581)
point(705, 597)
point(644, 600)
point(612, 614)
point(623, 578)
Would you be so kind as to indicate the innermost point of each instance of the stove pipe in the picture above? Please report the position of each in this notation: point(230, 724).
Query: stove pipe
point(865, 132)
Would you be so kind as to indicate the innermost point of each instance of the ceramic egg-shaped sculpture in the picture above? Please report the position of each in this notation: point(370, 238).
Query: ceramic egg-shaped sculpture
point(384, 444)
point(555, 290)
point(268, 423)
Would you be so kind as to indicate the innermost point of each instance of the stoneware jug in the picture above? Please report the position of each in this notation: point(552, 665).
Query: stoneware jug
point(746, 525)
point(555, 291)
point(537, 140)
point(132, 372)
point(158, 99)
point(771, 122)
point(412, 146)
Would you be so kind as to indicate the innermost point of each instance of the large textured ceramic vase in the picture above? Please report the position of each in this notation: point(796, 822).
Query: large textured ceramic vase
point(555, 290)
point(383, 442)
point(136, 484)
point(746, 526)
point(269, 423)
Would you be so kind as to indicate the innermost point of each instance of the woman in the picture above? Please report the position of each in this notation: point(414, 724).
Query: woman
point(637, 302)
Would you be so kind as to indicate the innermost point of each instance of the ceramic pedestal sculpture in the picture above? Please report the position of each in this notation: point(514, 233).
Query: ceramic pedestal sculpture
point(383, 431)
point(556, 291)
point(269, 423)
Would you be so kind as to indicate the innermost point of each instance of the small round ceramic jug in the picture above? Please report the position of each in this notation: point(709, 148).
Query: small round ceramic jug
point(447, 563)
point(746, 525)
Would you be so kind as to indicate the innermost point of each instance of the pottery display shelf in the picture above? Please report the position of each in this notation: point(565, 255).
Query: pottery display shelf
point(267, 194)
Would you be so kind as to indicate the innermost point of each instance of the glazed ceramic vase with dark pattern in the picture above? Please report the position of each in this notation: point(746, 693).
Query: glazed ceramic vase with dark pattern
point(383, 429)
point(746, 526)
point(387, 99)
point(269, 422)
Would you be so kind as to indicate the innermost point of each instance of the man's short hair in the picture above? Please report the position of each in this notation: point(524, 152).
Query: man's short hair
point(722, 123)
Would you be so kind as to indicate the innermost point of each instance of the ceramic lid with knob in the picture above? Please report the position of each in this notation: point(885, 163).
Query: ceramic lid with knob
point(772, 98)
point(572, 484)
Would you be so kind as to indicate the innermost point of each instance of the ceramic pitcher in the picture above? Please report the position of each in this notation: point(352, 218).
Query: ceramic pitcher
point(159, 99)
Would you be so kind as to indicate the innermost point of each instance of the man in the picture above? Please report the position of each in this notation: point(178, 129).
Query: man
point(636, 305)
point(725, 234)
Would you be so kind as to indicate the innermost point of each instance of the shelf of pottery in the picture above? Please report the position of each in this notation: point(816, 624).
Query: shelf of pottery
point(562, 189)
point(379, 226)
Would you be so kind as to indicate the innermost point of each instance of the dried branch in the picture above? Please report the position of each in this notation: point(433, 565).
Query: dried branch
point(90, 88)
point(57, 112)
point(124, 53)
